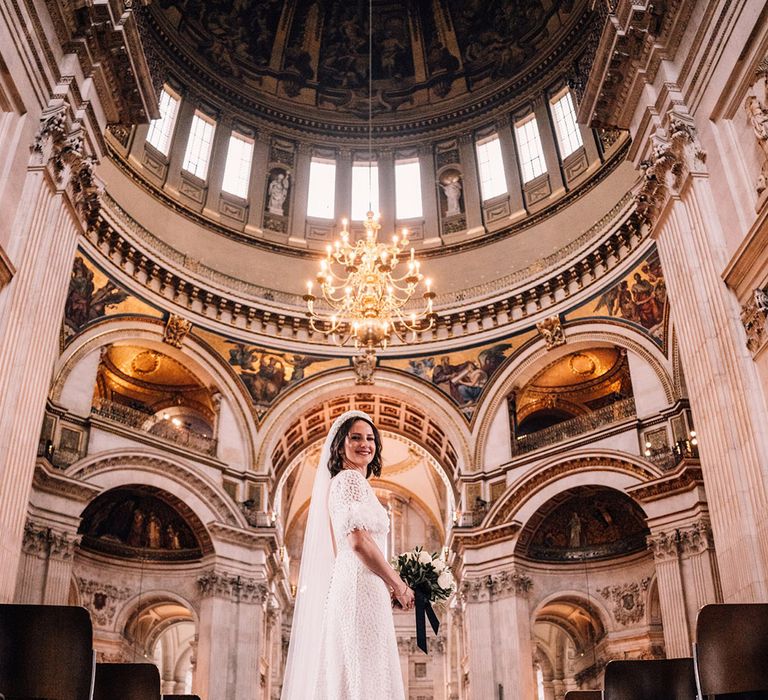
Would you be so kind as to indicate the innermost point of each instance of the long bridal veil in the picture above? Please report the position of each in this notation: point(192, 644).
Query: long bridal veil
point(316, 566)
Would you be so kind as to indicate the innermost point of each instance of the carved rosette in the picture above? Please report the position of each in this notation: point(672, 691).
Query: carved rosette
point(101, 599)
point(234, 588)
point(551, 329)
point(628, 600)
point(46, 543)
point(176, 329)
point(502, 584)
point(676, 151)
point(753, 317)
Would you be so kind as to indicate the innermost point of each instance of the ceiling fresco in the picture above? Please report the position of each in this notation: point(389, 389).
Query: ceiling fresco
point(316, 52)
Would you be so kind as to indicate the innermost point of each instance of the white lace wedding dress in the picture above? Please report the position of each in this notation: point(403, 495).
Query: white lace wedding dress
point(358, 655)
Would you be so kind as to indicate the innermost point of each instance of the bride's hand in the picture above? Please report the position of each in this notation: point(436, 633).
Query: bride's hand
point(404, 597)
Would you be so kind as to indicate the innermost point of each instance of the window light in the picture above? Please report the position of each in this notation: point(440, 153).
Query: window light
point(531, 153)
point(237, 171)
point(161, 130)
point(362, 194)
point(564, 116)
point(199, 145)
point(322, 188)
point(490, 164)
point(408, 189)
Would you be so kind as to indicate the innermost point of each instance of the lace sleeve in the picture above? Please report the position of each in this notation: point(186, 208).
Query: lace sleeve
point(348, 502)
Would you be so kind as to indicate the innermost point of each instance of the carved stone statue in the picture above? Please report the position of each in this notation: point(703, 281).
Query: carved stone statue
point(452, 189)
point(551, 329)
point(278, 192)
point(758, 120)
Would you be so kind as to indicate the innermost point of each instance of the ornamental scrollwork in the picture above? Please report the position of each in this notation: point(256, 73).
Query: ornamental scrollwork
point(101, 599)
point(690, 540)
point(176, 329)
point(753, 318)
point(628, 600)
point(44, 542)
point(551, 329)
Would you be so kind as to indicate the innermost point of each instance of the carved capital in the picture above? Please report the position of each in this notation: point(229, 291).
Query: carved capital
point(500, 584)
point(407, 645)
point(753, 318)
point(231, 587)
point(675, 152)
point(45, 543)
point(692, 539)
point(176, 329)
point(628, 600)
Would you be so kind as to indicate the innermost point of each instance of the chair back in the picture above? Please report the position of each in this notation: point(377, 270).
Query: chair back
point(126, 682)
point(46, 651)
point(664, 679)
point(732, 648)
point(584, 695)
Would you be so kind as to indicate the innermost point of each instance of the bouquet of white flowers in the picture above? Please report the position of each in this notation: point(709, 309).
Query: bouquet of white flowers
point(431, 580)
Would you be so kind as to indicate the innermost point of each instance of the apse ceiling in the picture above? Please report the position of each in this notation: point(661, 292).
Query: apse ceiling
point(315, 53)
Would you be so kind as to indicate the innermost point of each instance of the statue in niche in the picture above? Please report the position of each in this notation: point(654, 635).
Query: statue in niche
point(278, 193)
point(758, 119)
point(153, 531)
point(452, 189)
point(574, 531)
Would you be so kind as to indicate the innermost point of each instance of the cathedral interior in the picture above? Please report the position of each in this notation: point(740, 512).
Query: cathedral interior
point(575, 417)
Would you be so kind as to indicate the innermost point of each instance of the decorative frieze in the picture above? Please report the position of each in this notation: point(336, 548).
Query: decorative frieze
point(101, 599)
point(435, 645)
point(232, 587)
point(628, 600)
point(501, 584)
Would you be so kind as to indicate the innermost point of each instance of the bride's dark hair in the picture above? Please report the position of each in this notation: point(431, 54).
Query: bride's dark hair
point(336, 462)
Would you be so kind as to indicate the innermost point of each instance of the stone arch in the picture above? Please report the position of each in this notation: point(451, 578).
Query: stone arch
point(432, 423)
point(80, 359)
point(577, 599)
point(534, 356)
point(528, 493)
point(205, 499)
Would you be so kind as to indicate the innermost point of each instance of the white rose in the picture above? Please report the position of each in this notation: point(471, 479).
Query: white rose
point(439, 564)
point(425, 557)
point(445, 580)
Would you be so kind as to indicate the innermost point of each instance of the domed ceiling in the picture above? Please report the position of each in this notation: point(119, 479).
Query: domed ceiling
point(450, 53)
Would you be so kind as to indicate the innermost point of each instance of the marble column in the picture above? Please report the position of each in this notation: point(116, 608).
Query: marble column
point(497, 613)
point(229, 637)
point(59, 192)
point(687, 578)
point(728, 404)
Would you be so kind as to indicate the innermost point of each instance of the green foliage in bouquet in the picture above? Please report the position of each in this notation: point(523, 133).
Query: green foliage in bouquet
point(426, 572)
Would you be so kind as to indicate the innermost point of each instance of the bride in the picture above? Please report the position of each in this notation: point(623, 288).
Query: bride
point(343, 644)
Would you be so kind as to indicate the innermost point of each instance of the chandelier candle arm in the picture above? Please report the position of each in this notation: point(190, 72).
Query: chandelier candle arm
point(372, 305)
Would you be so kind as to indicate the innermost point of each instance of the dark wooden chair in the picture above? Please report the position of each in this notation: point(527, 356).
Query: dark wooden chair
point(731, 651)
point(46, 651)
point(126, 682)
point(584, 695)
point(664, 679)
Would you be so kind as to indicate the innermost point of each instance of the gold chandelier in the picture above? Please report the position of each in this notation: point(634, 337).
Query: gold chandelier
point(366, 295)
point(367, 299)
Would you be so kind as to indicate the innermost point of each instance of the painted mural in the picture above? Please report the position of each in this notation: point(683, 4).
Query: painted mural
point(267, 373)
point(92, 295)
point(461, 375)
point(640, 298)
